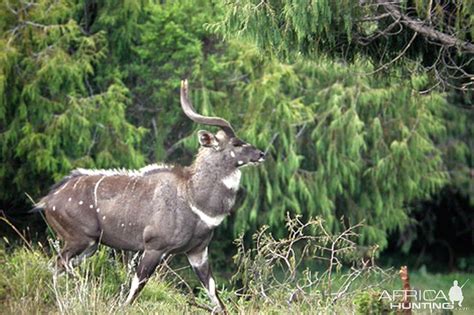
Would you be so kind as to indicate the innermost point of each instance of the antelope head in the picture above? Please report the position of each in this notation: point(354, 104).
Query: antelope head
point(223, 149)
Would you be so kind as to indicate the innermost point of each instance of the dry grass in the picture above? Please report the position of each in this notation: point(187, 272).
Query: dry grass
point(275, 276)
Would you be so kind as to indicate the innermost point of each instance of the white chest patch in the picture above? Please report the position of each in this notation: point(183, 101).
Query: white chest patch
point(210, 221)
point(232, 181)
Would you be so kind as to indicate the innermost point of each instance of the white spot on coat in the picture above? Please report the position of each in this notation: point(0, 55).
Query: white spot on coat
point(103, 218)
point(232, 181)
point(122, 225)
point(232, 154)
point(69, 199)
point(207, 219)
point(98, 210)
point(81, 202)
point(91, 206)
point(54, 208)
point(240, 162)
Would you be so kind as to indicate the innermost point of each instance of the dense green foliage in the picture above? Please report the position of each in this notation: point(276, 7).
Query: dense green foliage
point(427, 42)
point(347, 146)
point(51, 120)
point(81, 81)
point(437, 34)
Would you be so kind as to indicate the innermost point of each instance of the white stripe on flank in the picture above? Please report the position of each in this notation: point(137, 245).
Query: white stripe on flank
point(95, 189)
point(77, 182)
point(210, 221)
point(64, 186)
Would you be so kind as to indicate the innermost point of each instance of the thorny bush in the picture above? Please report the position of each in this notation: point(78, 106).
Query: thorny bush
point(303, 268)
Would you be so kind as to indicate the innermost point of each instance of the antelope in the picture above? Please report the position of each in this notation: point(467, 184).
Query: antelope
point(157, 210)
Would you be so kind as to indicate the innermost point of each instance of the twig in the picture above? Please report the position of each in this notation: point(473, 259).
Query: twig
point(4, 219)
point(275, 135)
point(384, 66)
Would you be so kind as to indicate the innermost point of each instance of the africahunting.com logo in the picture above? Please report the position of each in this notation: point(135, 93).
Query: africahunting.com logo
point(425, 299)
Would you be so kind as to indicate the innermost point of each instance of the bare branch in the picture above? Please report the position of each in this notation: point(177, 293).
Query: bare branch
point(425, 30)
point(385, 66)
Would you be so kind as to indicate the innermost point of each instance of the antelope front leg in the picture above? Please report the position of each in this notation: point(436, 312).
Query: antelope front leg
point(200, 263)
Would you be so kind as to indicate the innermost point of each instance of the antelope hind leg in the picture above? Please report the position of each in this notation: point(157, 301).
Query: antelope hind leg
point(146, 267)
point(68, 258)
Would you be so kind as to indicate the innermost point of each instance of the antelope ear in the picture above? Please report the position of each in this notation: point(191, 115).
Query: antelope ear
point(207, 139)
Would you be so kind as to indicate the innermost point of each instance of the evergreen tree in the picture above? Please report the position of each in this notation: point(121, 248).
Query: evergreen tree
point(426, 37)
point(50, 119)
point(344, 145)
point(436, 33)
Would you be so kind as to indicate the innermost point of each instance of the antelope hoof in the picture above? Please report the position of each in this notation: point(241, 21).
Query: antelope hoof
point(219, 309)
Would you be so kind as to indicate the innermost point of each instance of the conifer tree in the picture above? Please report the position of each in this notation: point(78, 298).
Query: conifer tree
point(430, 48)
point(344, 145)
point(50, 118)
point(436, 33)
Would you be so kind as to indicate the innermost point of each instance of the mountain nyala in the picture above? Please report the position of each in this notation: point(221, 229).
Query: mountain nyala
point(157, 210)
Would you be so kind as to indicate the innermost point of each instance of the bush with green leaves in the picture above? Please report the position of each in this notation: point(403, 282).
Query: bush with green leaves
point(369, 302)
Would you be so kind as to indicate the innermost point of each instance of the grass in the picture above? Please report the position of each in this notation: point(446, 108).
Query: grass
point(427, 281)
point(300, 274)
point(27, 286)
point(101, 284)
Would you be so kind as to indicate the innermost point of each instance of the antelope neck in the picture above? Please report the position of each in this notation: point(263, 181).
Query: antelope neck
point(212, 193)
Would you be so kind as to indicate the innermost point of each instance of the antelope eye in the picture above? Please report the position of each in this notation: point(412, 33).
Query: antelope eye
point(237, 143)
